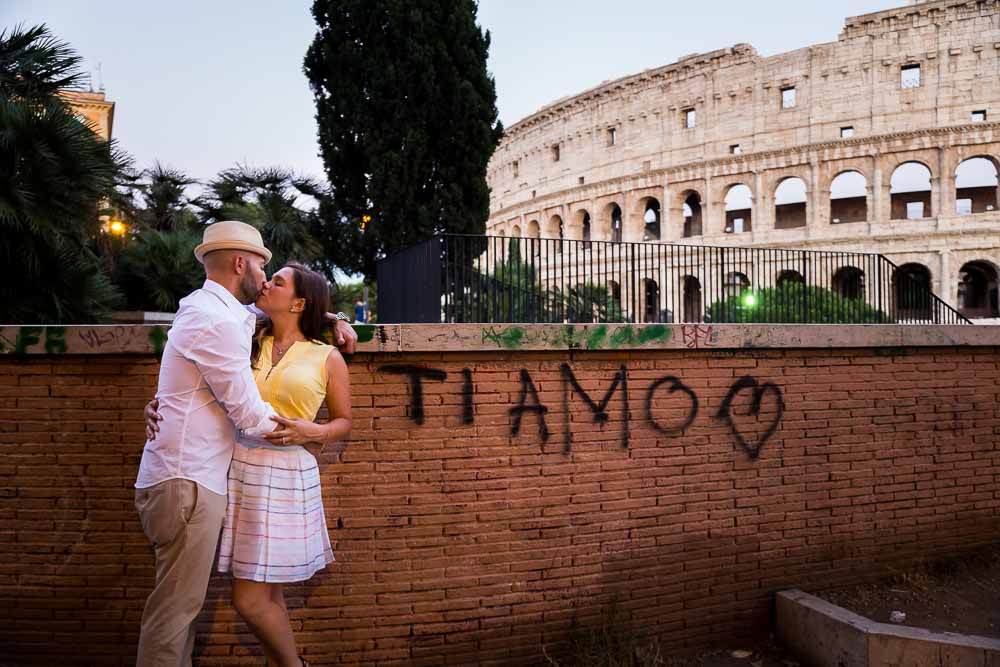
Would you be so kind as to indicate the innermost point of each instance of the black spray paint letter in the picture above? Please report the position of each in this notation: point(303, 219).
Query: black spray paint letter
point(675, 386)
point(417, 375)
point(468, 391)
point(528, 387)
point(599, 409)
point(759, 390)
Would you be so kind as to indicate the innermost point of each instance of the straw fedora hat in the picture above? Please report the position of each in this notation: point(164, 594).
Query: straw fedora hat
point(231, 235)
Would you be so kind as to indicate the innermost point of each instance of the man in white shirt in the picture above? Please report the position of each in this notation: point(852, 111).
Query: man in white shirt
point(206, 392)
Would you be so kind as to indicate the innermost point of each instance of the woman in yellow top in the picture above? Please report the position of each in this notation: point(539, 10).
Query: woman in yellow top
point(275, 528)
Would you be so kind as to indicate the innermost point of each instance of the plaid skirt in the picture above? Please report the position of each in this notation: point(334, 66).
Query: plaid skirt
point(275, 527)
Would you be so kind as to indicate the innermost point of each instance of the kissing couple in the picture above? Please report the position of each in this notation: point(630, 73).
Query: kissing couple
point(232, 442)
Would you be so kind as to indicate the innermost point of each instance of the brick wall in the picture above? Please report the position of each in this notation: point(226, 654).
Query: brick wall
point(458, 542)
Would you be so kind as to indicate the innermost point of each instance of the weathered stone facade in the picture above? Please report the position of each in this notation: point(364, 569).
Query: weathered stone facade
point(917, 84)
point(94, 109)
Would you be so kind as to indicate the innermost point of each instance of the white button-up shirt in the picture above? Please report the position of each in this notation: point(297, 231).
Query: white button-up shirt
point(206, 392)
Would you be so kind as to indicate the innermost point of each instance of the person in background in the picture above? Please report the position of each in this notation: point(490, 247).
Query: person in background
point(360, 312)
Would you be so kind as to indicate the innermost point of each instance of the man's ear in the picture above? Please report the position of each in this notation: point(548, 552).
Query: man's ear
point(239, 263)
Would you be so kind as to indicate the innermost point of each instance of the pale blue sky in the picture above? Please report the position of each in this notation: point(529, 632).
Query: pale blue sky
point(201, 85)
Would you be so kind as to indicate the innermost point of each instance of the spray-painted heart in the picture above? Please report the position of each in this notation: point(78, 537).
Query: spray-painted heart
point(759, 390)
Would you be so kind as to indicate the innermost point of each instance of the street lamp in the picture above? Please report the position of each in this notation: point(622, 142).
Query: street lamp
point(116, 227)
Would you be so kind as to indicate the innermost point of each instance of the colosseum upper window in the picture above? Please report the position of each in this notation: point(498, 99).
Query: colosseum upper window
point(847, 132)
point(975, 186)
point(689, 118)
point(979, 116)
point(788, 97)
point(735, 149)
point(790, 203)
point(612, 136)
point(555, 153)
point(739, 209)
point(691, 210)
point(848, 197)
point(909, 76)
point(910, 192)
point(651, 220)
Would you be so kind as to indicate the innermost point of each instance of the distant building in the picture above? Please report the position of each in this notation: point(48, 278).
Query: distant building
point(94, 108)
point(886, 140)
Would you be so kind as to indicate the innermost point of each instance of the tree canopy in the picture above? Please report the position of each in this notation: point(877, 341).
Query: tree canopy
point(407, 123)
point(794, 302)
point(54, 172)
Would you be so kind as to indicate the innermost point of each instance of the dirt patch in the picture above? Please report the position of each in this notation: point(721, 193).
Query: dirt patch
point(957, 595)
point(766, 653)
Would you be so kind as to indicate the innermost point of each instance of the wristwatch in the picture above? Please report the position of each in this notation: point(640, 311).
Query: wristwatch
point(342, 317)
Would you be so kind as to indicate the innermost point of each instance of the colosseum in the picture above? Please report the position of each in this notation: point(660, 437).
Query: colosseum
point(885, 141)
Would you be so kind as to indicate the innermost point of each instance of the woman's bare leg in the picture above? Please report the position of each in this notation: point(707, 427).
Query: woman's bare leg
point(267, 619)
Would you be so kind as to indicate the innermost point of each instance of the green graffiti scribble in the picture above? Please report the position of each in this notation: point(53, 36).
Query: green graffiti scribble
point(622, 336)
point(27, 337)
point(509, 337)
point(157, 338)
point(512, 337)
point(572, 337)
point(366, 332)
point(656, 332)
point(55, 340)
point(595, 338)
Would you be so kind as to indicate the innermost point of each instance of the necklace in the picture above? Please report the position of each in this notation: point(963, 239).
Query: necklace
point(280, 351)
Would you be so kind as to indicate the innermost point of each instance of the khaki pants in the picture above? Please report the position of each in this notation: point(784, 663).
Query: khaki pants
point(182, 520)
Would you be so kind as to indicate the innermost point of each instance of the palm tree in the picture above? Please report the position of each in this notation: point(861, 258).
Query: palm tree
point(54, 171)
point(268, 198)
point(165, 202)
point(157, 269)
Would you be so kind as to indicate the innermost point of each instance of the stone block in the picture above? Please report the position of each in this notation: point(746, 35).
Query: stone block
point(822, 633)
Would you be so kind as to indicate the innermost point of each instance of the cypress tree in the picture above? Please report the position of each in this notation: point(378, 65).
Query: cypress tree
point(407, 123)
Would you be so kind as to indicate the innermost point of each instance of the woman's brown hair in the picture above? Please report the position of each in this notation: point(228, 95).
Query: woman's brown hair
point(311, 286)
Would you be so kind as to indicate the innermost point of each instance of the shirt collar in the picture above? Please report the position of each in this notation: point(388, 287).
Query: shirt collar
point(227, 298)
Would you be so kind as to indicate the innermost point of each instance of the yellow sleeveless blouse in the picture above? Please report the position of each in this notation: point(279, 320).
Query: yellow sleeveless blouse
point(295, 386)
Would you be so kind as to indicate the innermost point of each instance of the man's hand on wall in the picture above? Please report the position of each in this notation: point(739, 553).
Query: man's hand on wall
point(344, 336)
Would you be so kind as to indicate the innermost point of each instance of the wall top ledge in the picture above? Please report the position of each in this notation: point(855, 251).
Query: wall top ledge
point(150, 339)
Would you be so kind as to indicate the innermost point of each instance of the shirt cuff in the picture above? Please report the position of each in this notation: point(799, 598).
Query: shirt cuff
point(265, 425)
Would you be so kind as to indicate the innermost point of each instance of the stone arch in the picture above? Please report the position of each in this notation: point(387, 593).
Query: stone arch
point(976, 185)
point(613, 221)
point(692, 300)
point(691, 207)
point(615, 291)
point(977, 290)
point(849, 282)
point(910, 191)
point(557, 231)
point(735, 283)
point(790, 206)
point(534, 230)
point(515, 231)
point(739, 208)
point(586, 226)
point(911, 290)
point(789, 277)
point(650, 300)
point(649, 208)
point(848, 197)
